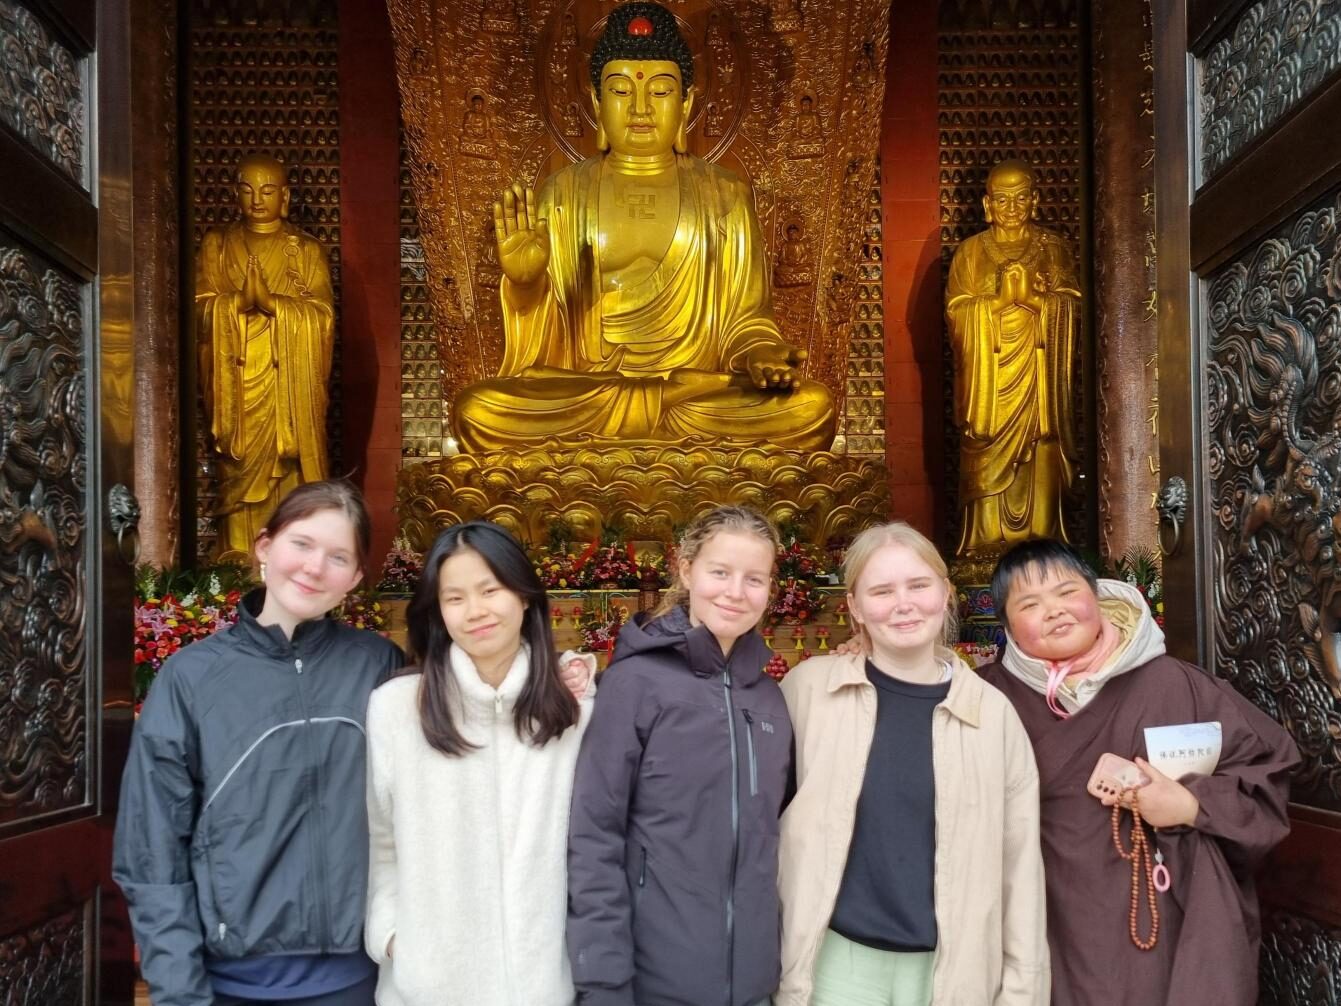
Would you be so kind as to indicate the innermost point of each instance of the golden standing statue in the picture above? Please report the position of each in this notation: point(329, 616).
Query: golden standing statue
point(1013, 304)
point(264, 324)
point(635, 290)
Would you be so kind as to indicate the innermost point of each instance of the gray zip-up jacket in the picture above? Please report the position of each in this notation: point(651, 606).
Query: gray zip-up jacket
point(673, 837)
point(242, 829)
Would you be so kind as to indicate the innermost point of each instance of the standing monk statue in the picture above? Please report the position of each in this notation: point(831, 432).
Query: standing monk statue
point(264, 325)
point(1013, 304)
point(635, 294)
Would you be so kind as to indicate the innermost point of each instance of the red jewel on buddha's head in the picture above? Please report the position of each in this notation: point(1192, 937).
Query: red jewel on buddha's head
point(639, 75)
point(640, 26)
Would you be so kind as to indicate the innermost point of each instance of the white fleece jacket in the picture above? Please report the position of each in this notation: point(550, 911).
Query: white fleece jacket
point(468, 866)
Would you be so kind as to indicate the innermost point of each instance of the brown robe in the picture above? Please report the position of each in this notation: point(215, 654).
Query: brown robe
point(1209, 928)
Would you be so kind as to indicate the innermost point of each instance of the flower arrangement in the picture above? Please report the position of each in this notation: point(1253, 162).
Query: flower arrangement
point(1140, 567)
point(558, 570)
point(660, 564)
point(602, 564)
point(611, 565)
point(401, 569)
point(797, 560)
point(600, 624)
point(796, 601)
point(176, 607)
point(362, 610)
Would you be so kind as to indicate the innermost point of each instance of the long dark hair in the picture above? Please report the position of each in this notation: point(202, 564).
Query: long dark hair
point(545, 708)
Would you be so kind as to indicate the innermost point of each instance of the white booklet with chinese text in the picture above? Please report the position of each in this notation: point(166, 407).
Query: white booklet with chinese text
point(1184, 748)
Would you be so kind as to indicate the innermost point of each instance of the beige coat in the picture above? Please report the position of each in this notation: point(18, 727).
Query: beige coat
point(989, 868)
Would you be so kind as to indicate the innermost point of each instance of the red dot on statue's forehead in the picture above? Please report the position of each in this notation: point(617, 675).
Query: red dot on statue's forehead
point(639, 75)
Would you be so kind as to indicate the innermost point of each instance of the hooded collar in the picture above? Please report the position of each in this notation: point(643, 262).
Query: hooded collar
point(695, 645)
point(308, 637)
point(478, 697)
point(1142, 641)
point(963, 701)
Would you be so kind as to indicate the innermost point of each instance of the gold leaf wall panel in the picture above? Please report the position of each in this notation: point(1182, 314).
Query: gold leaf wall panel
point(789, 96)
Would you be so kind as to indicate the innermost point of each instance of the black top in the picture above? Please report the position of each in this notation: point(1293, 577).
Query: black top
point(887, 898)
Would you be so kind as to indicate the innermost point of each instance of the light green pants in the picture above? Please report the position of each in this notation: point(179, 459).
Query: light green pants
point(848, 974)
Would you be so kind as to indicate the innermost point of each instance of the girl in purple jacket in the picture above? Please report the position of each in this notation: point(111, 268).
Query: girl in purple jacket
point(673, 838)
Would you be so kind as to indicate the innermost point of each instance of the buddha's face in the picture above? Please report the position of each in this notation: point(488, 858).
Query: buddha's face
point(641, 106)
point(1010, 199)
point(262, 191)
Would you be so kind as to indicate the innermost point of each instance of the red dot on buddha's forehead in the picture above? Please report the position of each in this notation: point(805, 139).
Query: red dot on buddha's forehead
point(639, 75)
point(640, 26)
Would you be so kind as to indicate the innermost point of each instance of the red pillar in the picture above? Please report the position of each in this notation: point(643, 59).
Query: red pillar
point(370, 261)
point(910, 197)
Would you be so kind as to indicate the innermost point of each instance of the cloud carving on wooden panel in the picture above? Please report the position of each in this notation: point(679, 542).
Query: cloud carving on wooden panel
point(1273, 413)
point(1272, 57)
point(43, 575)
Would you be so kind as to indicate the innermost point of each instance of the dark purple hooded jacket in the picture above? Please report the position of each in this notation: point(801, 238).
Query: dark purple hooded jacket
point(673, 841)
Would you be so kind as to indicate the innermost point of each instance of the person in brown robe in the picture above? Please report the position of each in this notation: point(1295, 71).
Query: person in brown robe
point(1084, 665)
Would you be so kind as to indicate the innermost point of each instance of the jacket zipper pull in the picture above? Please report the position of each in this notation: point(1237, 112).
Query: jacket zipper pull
point(642, 871)
point(726, 677)
point(748, 718)
point(298, 666)
point(498, 704)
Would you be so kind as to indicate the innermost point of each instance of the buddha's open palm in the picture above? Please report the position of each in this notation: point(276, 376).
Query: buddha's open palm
point(523, 238)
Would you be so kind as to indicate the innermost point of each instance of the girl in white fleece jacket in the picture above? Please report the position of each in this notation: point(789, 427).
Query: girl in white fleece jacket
point(470, 773)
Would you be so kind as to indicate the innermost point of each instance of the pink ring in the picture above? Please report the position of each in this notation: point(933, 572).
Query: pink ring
point(1160, 876)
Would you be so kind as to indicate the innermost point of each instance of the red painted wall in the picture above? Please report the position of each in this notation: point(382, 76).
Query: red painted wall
point(369, 196)
point(370, 261)
point(909, 155)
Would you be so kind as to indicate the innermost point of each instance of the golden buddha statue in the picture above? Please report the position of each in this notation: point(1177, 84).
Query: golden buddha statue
point(264, 326)
point(1013, 305)
point(635, 289)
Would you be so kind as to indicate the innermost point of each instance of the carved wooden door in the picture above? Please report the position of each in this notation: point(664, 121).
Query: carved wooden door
point(65, 579)
point(1249, 220)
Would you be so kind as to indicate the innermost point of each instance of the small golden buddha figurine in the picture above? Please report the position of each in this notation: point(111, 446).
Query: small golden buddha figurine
point(635, 292)
point(1013, 304)
point(793, 268)
point(265, 328)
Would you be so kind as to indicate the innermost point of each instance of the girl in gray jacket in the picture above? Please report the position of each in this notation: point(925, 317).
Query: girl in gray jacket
point(241, 840)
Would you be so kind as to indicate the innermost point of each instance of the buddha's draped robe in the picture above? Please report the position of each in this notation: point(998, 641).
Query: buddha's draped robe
point(1013, 388)
point(662, 360)
point(264, 379)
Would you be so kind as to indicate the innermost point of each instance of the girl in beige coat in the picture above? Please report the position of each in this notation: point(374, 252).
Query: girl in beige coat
point(910, 871)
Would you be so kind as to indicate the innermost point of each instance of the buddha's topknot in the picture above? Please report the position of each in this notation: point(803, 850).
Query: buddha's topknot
point(663, 41)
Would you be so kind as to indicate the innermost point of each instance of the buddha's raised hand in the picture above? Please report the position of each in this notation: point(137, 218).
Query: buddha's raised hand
point(523, 238)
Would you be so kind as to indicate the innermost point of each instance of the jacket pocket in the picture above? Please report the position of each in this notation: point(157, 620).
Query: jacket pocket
point(214, 926)
point(750, 756)
point(641, 884)
point(679, 940)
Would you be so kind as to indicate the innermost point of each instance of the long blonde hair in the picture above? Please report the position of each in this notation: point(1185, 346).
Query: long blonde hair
point(740, 519)
point(870, 541)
